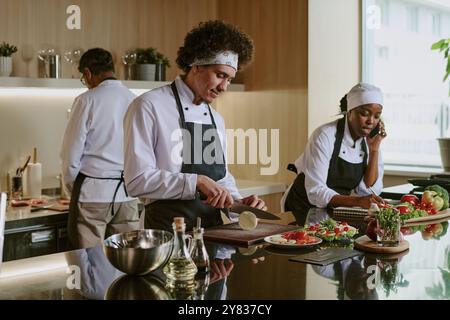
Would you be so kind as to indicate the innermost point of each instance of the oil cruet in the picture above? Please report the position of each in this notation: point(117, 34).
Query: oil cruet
point(198, 251)
point(180, 270)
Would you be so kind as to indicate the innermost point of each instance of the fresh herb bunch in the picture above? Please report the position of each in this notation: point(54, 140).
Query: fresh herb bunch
point(7, 50)
point(389, 223)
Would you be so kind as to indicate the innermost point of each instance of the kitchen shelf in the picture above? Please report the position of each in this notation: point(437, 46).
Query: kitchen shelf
point(51, 83)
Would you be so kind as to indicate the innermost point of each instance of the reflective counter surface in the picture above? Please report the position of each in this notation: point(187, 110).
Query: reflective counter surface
point(258, 272)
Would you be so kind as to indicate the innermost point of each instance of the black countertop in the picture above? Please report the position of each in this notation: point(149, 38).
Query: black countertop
point(259, 272)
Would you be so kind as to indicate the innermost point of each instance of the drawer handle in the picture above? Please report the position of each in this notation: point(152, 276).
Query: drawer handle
point(41, 236)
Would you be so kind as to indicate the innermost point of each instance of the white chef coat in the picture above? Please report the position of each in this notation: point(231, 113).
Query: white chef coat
point(314, 162)
point(151, 171)
point(93, 141)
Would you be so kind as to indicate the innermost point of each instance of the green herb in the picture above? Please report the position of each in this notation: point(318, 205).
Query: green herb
point(389, 223)
point(6, 50)
point(151, 56)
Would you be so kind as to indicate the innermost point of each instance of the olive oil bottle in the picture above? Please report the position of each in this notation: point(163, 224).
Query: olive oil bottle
point(180, 270)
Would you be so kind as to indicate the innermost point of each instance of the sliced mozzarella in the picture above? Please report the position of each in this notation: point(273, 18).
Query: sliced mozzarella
point(248, 220)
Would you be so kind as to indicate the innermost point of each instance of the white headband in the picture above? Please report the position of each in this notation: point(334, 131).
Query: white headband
point(228, 58)
point(363, 93)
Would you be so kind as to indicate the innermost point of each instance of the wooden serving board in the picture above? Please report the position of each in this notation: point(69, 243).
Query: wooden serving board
point(364, 243)
point(444, 214)
point(233, 234)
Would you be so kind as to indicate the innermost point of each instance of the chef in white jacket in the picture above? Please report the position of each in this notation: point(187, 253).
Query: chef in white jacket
point(175, 142)
point(92, 155)
point(342, 164)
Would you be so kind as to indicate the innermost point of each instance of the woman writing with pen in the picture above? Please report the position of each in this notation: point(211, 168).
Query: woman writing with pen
point(341, 164)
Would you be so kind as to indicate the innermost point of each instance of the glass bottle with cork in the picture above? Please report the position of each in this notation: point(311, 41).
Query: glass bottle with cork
point(180, 270)
point(198, 252)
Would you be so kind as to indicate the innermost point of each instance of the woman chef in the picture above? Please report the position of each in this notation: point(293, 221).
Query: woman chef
point(341, 164)
point(186, 177)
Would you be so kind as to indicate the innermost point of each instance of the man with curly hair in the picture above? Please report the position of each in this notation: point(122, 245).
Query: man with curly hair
point(174, 142)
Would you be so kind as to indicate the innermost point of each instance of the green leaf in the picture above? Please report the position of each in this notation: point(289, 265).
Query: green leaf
point(438, 45)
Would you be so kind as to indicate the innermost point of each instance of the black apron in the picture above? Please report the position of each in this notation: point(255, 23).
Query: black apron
point(72, 232)
point(343, 176)
point(160, 214)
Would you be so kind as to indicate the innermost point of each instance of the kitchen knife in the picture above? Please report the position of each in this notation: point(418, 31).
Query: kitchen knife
point(261, 214)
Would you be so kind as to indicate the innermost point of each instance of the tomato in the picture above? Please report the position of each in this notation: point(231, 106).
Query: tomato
point(346, 229)
point(414, 200)
point(301, 234)
point(312, 228)
point(336, 230)
point(403, 209)
point(432, 211)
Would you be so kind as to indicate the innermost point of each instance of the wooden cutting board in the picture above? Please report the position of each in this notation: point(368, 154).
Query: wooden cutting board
point(444, 214)
point(364, 243)
point(233, 234)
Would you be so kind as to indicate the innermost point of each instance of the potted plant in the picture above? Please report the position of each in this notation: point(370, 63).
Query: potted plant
point(6, 51)
point(162, 62)
point(151, 64)
point(443, 45)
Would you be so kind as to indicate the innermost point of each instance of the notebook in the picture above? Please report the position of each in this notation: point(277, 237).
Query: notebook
point(349, 212)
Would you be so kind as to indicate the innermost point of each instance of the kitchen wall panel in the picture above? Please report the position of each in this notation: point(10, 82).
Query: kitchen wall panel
point(276, 81)
point(280, 33)
point(116, 25)
point(282, 110)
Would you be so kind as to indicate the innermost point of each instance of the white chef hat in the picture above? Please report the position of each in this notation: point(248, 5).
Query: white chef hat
point(363, 93)
point(228, 58)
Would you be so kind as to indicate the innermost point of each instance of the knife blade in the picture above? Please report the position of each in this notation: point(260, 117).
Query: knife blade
point(261, 214)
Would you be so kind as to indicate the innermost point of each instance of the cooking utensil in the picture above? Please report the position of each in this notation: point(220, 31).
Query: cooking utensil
point(139, 252)
point(25, 165)
point(261, 214)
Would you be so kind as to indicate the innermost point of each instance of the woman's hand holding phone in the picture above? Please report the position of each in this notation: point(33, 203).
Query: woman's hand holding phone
point(375, 136)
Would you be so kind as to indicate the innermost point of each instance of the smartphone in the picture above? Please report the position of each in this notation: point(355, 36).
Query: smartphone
point(375, 131)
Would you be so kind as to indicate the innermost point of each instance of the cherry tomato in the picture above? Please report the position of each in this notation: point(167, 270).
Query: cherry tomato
point(403, 209)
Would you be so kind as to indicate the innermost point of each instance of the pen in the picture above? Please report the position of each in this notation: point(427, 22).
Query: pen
point(373, 192)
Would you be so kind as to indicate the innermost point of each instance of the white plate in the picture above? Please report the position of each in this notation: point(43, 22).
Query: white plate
point(269, 239)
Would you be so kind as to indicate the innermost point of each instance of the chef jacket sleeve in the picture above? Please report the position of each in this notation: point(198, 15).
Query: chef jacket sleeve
point(74, 141)
point(142, 176)
point(317, 157)
point(362, 189)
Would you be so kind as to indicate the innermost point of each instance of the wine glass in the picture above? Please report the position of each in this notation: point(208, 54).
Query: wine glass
point(73, 56)
point(44, 55)
point(129, 59)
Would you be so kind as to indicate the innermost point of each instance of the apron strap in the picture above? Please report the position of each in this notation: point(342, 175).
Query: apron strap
point(121, 180)
point(179, 105)
point(180, 108)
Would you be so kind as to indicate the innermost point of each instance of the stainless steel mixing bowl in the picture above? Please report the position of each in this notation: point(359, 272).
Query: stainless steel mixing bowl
point(139, 252)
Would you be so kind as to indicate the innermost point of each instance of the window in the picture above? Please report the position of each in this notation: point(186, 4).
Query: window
point(398, 58)
point(436, 24)
point(412, 18)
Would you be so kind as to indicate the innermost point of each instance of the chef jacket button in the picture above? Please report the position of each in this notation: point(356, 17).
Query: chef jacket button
point(205, 114)
point(186, 109)
point(343, 152)
point(360, 155)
